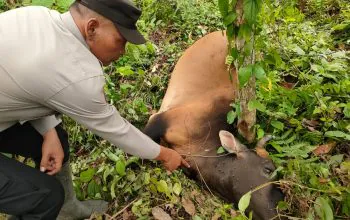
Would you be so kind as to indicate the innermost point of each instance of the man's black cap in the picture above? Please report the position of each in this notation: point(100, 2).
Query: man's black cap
point(122, 13)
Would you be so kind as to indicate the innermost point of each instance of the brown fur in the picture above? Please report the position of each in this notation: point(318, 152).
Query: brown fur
point(192, 114)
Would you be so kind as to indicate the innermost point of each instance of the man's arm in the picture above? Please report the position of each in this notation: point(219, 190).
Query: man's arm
point(43, 125)
point(85, 103)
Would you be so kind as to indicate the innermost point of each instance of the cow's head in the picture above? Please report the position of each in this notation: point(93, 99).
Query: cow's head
point(244, 172)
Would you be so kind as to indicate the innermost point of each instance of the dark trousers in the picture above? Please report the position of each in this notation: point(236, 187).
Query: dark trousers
point(26, 192)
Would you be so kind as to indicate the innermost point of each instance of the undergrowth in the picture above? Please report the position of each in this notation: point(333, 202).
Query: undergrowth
point(304, 103)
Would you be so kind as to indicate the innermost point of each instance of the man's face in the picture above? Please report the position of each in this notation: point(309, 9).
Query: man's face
point(104, 40)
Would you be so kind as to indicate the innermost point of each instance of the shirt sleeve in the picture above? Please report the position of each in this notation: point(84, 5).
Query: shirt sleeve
point(42, 125)
point(86, 104)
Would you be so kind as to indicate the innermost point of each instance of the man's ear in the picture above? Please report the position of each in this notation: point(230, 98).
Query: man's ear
point(91, 28)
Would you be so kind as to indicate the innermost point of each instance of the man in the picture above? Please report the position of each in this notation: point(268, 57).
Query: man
point(50, 63)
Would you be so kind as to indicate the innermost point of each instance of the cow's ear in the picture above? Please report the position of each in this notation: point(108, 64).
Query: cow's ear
point(229, 142)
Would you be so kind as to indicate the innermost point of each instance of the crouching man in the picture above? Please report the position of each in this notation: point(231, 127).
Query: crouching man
point(50, 64)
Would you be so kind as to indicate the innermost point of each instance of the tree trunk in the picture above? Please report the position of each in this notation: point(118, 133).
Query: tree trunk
point(247, 119)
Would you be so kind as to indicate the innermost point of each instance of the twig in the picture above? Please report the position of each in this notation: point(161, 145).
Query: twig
point(200, 174)
point(206, 156)
point(280, 182)
point(105, 214)
point(122, 210)
point(287, 216)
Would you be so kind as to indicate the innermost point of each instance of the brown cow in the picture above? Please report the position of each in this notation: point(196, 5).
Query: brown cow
point(192, 120)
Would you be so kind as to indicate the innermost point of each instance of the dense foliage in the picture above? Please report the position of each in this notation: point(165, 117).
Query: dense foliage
point(303, 101)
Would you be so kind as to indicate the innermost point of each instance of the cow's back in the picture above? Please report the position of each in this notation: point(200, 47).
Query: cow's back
point(199, 72)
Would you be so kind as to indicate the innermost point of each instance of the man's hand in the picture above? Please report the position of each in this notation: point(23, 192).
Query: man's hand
point(52, 153)
point(171, 159)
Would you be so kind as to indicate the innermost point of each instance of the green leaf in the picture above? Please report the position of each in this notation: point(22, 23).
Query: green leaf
point(231, 116)
point(244, 75)
point(251, 9)
point(125, 71)
point(131, 160)
point(87, 175)
point(64, 4)
point(106, 173)
point(136, 207)
point(120, 167)
point(337, 134)
point(229, 60)
point(282, 205)
point(346, 205)
point(230, 32)
point(245, 32)
point(147, 178)
point(346, 110)
point(45, 3)
point(323, 209)
point(223, 7)
point(317, 68)
point(259, 72)
point(140, 72)
point(230, 18)
point(335, 66)
point(277, 124)
point(341, 27)
point(335, 160)
point(177, 188)
point(298, 50)
point(196, 217)
point(247, 50)
point(125, 87)
point(93, 189)
point(339, 54)
point(261, 133)
point(255, 104)
point(162, 186)
point(220, 150)
point(234, 53)
point(114, 182)
point(277, 58)
point(113, 157)
point(244, 202)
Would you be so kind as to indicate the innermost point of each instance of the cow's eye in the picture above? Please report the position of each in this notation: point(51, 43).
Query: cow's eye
point(267, 170)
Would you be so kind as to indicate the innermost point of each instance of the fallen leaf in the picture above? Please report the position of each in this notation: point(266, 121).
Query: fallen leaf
point(160, 214)
point(155, 67)
point(200, 199)
point(310, 123)
point(169, 206)
point(233, 213)
point(287, 85)
point(194, 193)
point(188, 206)
point(216, 216)
point(311, 128)
point(261, 152)
point(324, 149)
point(323, 180)
point(126, 215)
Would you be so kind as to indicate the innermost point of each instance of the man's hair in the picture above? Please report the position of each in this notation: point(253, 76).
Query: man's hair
point(75, 6)
point(83, 10)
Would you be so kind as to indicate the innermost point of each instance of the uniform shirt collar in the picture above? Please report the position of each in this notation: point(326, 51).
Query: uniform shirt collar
point(72, 27)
